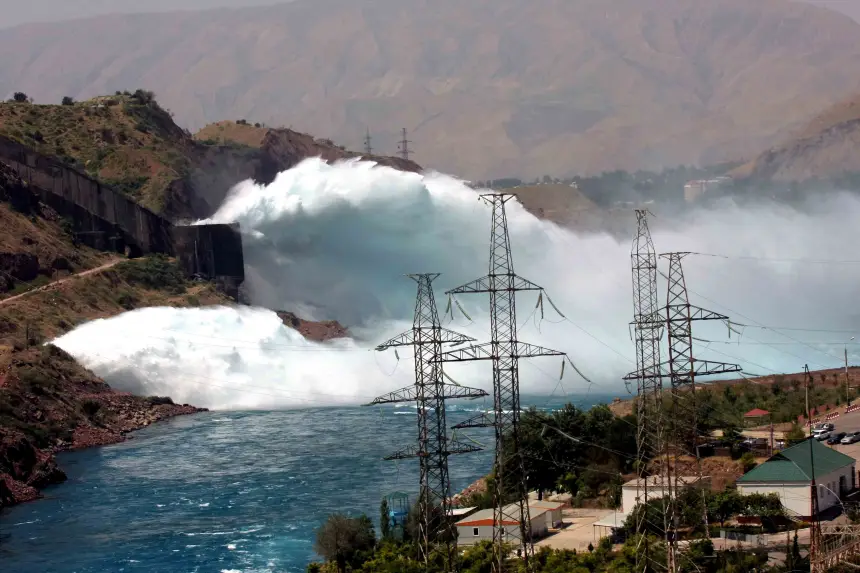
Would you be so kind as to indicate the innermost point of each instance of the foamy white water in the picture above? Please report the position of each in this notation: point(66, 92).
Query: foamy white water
point(333, 241)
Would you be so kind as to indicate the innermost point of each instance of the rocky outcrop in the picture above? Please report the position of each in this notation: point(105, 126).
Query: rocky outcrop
point(316, 331)
point(463, 498)
point(48, 403)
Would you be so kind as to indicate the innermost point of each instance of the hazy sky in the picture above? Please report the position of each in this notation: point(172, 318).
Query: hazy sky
point(14, 12)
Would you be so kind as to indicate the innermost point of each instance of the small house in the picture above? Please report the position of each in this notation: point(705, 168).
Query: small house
point(633, 491)
point(479, 526)
point(789, 474)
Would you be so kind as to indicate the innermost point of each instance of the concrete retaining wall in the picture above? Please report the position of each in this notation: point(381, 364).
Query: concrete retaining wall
point(109, 220)
point(212, 252)
point(92, 206)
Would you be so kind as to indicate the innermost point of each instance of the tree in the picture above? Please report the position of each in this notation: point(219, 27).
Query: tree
point(342, 538)
point(794, 435)
point(384, 520)
point(723, 505)
point(67, 100)
point(20, 97)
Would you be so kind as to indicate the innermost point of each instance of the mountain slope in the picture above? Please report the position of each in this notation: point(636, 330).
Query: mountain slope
point(128, 141)
point(486, 88)
point(828, 146)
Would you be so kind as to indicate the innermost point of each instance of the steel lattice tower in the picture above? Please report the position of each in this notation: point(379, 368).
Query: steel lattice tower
point(683, 369)
point(429, 394)
point(504, 351)
point(648, 331)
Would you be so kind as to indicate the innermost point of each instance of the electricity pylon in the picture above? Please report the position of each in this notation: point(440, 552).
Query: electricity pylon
point(367, 148)
point(650, 440)
point(504, 351)
point(683, 369)
point(429, 394)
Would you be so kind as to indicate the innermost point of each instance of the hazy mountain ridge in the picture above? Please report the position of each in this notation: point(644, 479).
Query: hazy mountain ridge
point(486, 89)
point(828, 146)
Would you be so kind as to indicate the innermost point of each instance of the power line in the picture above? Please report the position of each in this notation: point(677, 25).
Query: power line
point(780, 260)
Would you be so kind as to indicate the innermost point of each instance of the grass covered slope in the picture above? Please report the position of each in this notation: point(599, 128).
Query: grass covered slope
point(126, 141)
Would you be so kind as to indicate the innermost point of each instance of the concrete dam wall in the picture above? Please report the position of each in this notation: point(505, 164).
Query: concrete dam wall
point(109, 220)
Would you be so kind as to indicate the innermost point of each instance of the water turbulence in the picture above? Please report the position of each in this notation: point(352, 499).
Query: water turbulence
point(333, 241)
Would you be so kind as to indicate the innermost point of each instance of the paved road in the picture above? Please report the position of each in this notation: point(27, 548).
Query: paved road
point(61, 281)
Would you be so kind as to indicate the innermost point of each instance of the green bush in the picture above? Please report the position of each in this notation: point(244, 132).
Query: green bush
point(155, 272)
point(748, 461)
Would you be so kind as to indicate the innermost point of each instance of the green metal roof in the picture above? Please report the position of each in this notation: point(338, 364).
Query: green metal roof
point(794, 464)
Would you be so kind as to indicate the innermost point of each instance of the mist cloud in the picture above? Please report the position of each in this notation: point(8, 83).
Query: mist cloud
point(333, 241)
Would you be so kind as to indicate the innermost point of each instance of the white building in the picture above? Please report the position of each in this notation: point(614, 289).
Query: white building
point(693, 190)
point(657, 487)
point(789, 475)
point(553, 511)
point(479, 526)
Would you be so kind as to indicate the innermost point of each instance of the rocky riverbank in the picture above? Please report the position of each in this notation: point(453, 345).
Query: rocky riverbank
point(49, 404)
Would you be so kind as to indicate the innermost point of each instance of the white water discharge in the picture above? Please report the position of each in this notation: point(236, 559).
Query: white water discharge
point(333, 241)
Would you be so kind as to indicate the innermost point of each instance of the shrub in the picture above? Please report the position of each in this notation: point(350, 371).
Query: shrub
point(20, 97)
point(144, 97)
point(155, 272)
point(126, 299)
point(160, 400)
point(748, 461)
point(67, 100)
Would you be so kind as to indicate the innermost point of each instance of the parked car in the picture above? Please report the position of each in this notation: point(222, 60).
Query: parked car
point(822, 435)
point(830, 427)
point(850, 438)
point(835, 438)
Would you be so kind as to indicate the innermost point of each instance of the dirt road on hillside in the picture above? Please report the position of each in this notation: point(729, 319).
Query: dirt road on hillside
point(58, 282)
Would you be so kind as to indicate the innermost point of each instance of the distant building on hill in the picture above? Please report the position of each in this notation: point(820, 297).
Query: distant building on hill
point(698, 188)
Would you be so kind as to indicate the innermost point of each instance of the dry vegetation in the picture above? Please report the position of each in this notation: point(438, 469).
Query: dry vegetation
point(125, 140)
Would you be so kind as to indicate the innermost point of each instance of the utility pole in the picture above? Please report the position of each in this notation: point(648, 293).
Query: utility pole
point(429, 394)
point(648, 331)
point(368, 150)
point(684, 367)
point(815, 529)
point(504, 351)
point(403, 146)
point(847, 382)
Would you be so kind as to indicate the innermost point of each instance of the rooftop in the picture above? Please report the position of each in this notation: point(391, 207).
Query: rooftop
point(660, 481)
point(756, 413)
point(795, 464)
point(485, 516)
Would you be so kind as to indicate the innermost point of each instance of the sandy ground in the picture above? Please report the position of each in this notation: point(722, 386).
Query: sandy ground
point(579, 531)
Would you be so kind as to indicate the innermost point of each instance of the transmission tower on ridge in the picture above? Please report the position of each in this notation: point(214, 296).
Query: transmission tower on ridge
point(367, 148)
point(650, 439)
point(403, 145)
point(429, 394)
point(504, 351)
point(683, 370)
